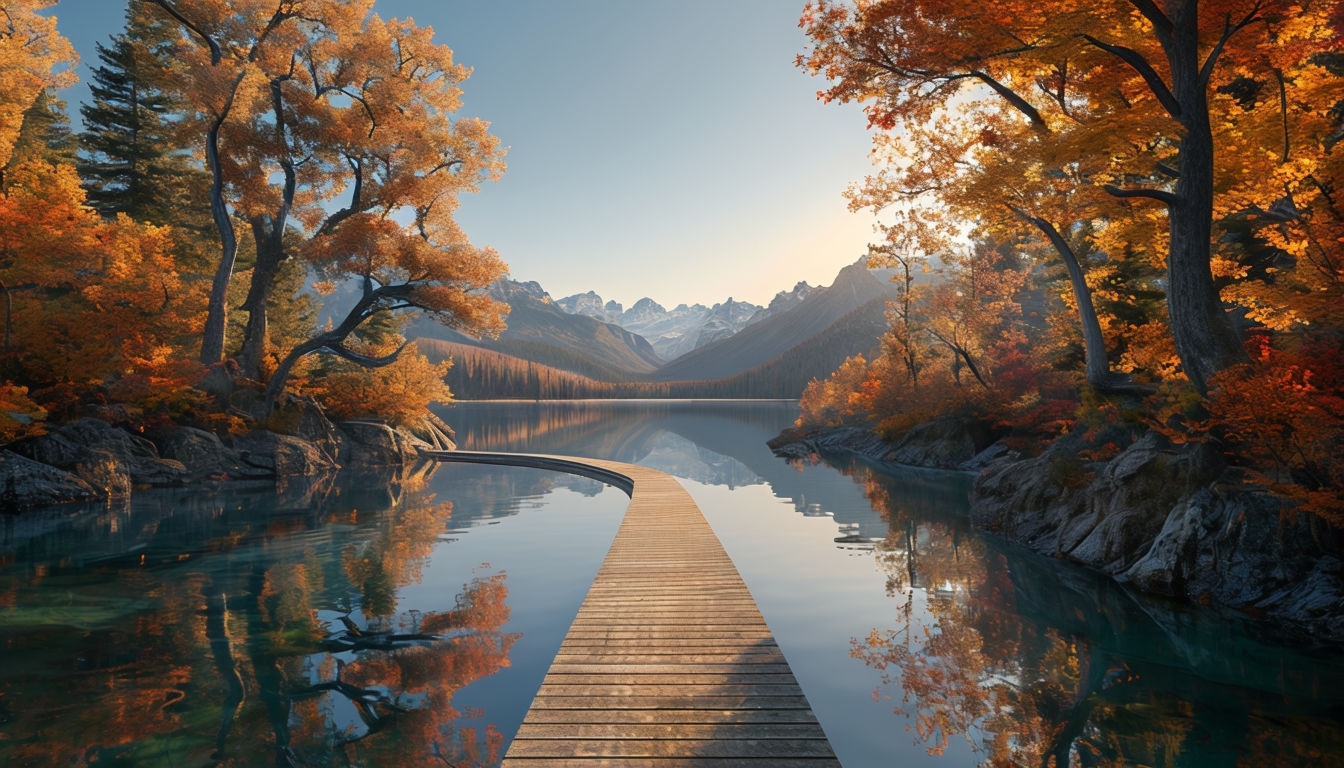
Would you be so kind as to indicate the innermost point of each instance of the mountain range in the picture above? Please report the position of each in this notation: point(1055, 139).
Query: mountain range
point(733, 349)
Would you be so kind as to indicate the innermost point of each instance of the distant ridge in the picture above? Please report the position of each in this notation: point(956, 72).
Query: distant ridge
point(674, 332)
point(549, 353)
point(540, 331)
point(761, 342)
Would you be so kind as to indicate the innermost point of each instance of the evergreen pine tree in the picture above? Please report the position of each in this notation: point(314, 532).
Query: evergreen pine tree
point(132, 163)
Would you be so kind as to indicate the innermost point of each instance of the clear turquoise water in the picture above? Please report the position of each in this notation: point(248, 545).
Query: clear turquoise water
point(362, 622)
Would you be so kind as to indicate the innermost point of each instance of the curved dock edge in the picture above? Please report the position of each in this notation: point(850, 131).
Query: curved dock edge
point(590, 468)
point(668, 661)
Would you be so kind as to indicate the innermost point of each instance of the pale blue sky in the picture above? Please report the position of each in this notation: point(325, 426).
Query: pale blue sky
point(662, 148)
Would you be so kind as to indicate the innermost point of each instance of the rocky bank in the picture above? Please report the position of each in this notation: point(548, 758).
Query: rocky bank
point(1159, 518)
point(91, 460)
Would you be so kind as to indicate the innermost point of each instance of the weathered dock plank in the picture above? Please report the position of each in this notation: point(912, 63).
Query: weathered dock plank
point(669, 662)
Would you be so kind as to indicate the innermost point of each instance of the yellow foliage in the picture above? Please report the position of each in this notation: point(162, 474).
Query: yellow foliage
point(32, 53)
point(19, 416)
point(398, 393)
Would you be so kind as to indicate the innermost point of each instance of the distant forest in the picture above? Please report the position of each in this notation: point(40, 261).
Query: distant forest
point(479, 373)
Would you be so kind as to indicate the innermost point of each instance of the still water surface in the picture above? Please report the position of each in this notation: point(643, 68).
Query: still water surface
point(373, 623)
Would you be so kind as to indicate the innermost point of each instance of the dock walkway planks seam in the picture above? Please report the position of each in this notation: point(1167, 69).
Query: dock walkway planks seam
point(668, 662)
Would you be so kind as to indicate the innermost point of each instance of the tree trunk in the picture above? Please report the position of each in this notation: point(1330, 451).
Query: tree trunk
point(270, 253)
point(1206, 340)
point(216, 317)
point(1095, 363)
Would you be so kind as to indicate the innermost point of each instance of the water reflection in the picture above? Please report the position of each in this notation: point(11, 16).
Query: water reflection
point(250, 628)
point(988, 655)
point(1035, 662)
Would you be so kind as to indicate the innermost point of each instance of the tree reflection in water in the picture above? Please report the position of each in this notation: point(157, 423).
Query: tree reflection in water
point(1038, 663)
point(280, 644)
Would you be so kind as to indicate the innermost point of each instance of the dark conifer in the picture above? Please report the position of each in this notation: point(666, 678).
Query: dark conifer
point(132, 163)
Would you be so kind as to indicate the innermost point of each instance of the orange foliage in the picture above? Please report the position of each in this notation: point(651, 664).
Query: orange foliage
point(32, 53)
point(1283, 415)
point(837, 400)
point(398, 393)
point(19, 416)
point(91, 300)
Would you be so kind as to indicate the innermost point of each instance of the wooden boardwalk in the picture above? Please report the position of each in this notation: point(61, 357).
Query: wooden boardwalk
point(668, 662)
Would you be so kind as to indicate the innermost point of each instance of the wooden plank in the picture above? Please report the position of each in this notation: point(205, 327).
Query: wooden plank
point(668, 662)
point(635, 717)
point(672, 762)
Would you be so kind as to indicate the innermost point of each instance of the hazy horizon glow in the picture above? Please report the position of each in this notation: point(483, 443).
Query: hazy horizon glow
point(660, 149)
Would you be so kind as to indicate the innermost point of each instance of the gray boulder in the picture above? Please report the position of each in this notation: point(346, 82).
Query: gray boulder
point(1240, 547)
point(202, 453)
point(374, 444)
point(280, 456)
point(27, 484)
point(944, 443)
point(1173, 521)
point(83, 446)
point(1105, 515)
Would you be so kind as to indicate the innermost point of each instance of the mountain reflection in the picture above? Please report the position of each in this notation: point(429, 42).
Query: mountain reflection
point(243, 629)
point(1019, 659)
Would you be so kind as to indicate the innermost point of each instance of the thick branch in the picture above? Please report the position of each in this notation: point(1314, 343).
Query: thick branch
point(1161, 23)
point(216, 53)
point(1136, 61)
point(1012, 97)
point(1160, 195)
point(1229, 29)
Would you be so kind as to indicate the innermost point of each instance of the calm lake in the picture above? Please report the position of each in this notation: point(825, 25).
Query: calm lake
point(362, 621)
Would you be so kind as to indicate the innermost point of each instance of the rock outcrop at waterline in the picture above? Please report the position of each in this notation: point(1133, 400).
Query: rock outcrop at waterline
point(93, 461)
point(1163, 519)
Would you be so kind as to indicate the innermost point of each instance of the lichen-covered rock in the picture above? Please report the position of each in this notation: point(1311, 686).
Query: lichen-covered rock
point(945, 443)
point(73, 446)
point(1240, 547)
point(1165, 519)
point(1133, 495)
point(1105, 515)
point(27, 484)
point(374, 444)
point(104, 473)
point(202, 453)
point(280, 456)
point(1031, 501)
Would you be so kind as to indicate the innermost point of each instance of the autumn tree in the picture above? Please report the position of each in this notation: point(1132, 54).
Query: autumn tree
point(306, 103)
point(34, 58)
point(87, 302)
point(1110, 99)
